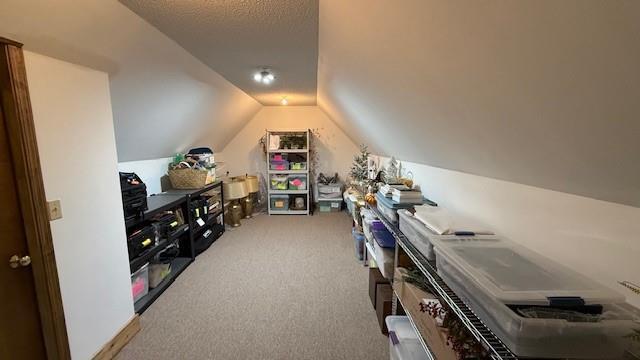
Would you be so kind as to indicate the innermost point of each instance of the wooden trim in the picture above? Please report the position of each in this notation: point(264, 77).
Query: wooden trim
point(6, 41)
point(122, 338)
point(16, 105)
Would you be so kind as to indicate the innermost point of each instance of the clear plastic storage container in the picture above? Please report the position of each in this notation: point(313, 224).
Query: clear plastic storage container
point(334, 205)
point(297, 182)
point(418, 234)
point(279, 182)
point(298, 202)
point(358, 239)
point(279, 165)
point(279, 202)
point(368, 217)
point(383, 237)
point(385, 258)
point(278, 157)
point(329, 190)
point(140, 282)
point(403, 340)
point(502, 282)
point(298, 165)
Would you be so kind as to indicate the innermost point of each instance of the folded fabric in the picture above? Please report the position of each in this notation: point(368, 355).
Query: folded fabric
point(444, 222)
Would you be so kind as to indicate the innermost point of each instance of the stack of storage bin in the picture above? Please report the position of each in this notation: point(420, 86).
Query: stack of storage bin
point(384, 248)
point(417, 233)
point(389, 208)
point(330, 197)
point(279, 182)
point(279, 162)
point(537, 307)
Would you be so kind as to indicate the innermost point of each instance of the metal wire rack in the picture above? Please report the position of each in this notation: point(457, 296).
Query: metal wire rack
point(478, 329)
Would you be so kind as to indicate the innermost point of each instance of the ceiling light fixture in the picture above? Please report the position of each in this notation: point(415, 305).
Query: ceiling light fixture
point(264, 76)
point(284, 101)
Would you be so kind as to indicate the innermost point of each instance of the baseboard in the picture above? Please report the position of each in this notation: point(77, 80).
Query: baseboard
point(113, 347)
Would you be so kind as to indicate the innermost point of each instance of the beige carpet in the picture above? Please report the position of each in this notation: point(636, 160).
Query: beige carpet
point(279, 287)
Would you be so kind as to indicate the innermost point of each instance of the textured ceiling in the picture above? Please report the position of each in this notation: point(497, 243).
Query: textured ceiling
point(237, 37)
point(544, 93)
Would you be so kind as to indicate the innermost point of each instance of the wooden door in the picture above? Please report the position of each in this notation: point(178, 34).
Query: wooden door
point(32, 324)
point(20, 331)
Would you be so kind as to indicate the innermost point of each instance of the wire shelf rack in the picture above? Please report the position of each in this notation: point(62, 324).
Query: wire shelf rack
point(478, 329)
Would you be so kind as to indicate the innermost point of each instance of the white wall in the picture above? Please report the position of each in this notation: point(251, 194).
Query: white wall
point(150, 171)
point(164, 99)
point(74, 128)
point(538, 92)
point(244, 155)
point(598, 239)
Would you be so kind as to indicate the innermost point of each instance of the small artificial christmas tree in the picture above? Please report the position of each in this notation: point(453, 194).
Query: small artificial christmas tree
point(391, 174)
point(359, 169)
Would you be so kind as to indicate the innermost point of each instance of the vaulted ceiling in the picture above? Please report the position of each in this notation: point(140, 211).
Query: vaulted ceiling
point(543, 93)
point(164, 99)
point(237, 38)
point(538, 92)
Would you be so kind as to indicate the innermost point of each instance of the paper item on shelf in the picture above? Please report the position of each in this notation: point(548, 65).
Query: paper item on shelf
point(412, 196)
point(389, 203)
point(387, 189)
point(274, 142)
point(443, 222)
point(416, 201)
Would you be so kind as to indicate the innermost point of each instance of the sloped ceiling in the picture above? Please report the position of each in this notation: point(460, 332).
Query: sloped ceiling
point(164, 100)
point(237, 38)
point(538, 92)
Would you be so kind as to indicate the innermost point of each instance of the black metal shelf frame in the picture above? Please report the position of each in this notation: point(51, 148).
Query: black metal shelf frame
point(187, 234)
point(177, 267)
point(478, 329)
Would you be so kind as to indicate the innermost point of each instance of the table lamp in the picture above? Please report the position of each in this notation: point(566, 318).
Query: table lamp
point(235, 190)
point(252, 188)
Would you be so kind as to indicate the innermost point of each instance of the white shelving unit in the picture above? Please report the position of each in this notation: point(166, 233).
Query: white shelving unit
point(270, 172)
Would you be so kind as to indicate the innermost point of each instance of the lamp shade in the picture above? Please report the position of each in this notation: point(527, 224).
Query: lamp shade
point(252, 182)
point(235, 189)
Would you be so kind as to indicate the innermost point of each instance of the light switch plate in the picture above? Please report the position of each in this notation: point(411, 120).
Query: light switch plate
point(55, 210)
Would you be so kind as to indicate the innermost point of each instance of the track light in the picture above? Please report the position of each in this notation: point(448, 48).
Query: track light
point(264, 76)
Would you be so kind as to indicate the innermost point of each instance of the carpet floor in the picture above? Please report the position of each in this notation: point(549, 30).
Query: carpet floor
point(278, 287)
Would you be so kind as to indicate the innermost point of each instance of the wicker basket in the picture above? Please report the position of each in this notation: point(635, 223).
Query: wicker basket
point(190, 178)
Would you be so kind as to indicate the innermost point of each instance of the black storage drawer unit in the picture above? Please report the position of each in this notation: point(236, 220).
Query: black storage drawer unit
point(199, 208)
point(134, 195)
point(141, 240)
point(167, 224)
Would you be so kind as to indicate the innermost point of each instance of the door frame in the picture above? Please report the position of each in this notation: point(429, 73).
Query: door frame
point(16, 107)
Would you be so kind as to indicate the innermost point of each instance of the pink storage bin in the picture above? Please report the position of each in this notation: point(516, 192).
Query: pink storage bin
point(279, 165)
point(140, 283)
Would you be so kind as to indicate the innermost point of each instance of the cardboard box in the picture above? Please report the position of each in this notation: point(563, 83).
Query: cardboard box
point(384, 305)
point(375, 278)
point(435, 336)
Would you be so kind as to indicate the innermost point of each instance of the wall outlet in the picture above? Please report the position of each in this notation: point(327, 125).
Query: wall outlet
point(55, 210)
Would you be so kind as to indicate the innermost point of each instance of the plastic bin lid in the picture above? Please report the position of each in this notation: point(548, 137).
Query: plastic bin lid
point(404, 339)
point(515, 275)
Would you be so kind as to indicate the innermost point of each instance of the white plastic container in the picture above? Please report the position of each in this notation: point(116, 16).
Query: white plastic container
point(417, 233)
point(385, 259)
point(367, 218)
point(403, 340)
point(389, 213)
point(490, 273)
